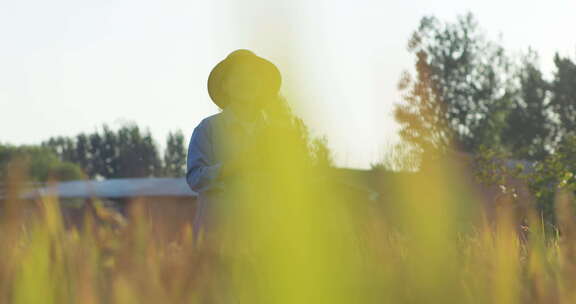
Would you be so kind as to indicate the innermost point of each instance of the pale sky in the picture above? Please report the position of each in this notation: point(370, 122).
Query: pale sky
point(68, 66)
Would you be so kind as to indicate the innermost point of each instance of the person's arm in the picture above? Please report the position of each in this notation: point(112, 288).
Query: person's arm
point(202, 172)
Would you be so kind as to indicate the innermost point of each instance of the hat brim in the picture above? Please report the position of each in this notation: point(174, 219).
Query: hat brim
point(265, 70)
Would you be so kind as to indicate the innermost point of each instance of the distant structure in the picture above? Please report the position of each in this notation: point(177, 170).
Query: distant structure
point(167, 203)
point(118, 188)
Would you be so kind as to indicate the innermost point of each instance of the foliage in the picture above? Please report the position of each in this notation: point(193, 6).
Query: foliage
point(467, 93)
point(410, 250)
point(321, 154)
point(461, 89)
point(175, 155)
point(399, 157)
point(545, 179)
point(42, 163)
point(554, 174)
point(563, 99)
point(281, 114)
point(127, 152)
point(528, 133)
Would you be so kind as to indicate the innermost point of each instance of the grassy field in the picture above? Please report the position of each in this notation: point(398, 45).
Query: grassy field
point(297, 242)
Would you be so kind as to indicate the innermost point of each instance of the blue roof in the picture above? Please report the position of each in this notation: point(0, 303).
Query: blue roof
point(117, 188)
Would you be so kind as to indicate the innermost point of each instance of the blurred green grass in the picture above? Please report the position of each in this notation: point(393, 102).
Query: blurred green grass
point(300, 241)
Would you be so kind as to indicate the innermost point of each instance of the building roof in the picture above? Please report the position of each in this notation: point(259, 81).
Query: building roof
point(116, 188)
point(360, 180)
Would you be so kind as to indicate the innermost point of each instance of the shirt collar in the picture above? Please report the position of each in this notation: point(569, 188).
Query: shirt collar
point(231, 118)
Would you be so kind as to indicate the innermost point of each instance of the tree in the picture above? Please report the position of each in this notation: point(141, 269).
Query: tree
point(529, 127)
point(422, 119)
point(125, 153)
point(557, 172)
point(321, 154)
point(399, 157)
point(175, 155)
point(109, 153)
point(137, 154)
point(42, 163)
point(461, 91)
point(563, 99)
point(129, 152)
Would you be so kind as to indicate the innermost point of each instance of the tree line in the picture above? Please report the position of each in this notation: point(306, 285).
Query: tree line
point(102, 154)
point(469, 93)
point(126, 152)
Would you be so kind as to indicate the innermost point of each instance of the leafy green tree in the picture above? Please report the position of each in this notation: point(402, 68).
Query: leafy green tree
point(125, 153)
point(42, 163)
point(137, 154)
point(556, 172)
point(83, 157)
point(399, 157)
point(421, 116)
point(97, 163)
point(108, 153)
point(462, 87)
point(175, 155)
point(563, 99)
point(529, 125)
point(64, 147)
point(317, 149)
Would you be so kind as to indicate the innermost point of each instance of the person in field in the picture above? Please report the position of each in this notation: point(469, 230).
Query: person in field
point(243, 86)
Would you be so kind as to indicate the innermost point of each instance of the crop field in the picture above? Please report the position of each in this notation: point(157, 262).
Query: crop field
point(427, 242)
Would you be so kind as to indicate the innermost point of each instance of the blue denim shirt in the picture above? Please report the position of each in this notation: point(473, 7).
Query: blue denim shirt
point(213, 141)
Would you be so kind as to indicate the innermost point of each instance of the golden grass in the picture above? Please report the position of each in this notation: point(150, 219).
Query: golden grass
point(300, 241)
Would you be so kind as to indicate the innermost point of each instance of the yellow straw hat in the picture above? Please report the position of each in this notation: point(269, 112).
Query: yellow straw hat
point(263, 71)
